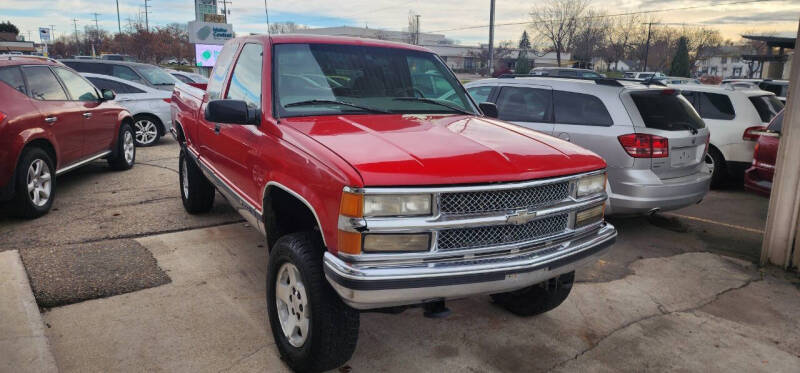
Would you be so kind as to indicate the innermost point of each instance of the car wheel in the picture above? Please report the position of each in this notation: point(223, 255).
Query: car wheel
point(539, 298)
point(145, 127)
point(313, 329)
point(197, 193)
point(35, 184)
point(125, 155)
point(716, 162)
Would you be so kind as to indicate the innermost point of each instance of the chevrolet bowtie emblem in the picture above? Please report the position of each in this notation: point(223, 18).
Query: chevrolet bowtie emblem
point(520, 217)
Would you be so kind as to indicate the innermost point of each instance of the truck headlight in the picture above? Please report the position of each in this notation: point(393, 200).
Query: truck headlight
point(380, 243)
point(591, 185)
point(397, 205)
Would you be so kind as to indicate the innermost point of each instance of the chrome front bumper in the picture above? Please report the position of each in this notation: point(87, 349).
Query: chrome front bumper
point(376, 285)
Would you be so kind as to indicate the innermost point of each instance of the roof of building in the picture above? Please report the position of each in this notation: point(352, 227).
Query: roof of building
point(774, 41)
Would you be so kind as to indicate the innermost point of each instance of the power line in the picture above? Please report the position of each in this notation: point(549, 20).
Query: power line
point(615, 15)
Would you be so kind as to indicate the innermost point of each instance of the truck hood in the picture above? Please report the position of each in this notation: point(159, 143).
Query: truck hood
point(406, 150)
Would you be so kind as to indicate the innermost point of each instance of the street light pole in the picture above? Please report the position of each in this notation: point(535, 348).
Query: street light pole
point(491, 37)
point(647, 45)
point(119, 23)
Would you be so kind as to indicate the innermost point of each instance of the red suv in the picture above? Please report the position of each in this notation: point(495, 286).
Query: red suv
point(758, 178)
point(52, 121)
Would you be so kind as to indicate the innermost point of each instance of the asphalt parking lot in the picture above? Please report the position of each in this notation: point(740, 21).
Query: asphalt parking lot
point(127, 281)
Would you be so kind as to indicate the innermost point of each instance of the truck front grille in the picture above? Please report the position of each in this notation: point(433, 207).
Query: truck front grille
point(465, 203)
point(473, 238)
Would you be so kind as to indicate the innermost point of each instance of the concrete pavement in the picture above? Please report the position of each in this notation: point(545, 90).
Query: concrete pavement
point(676, 312)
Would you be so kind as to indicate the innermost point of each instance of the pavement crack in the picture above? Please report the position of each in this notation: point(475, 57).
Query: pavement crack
point(157, 166)
point(243, 358)
point(662, 312)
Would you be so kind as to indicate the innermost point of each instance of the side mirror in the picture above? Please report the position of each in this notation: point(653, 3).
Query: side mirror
point(108, 95)
point(489, 109)
point(231, 112)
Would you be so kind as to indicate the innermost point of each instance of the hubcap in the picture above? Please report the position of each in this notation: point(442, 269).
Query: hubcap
point(146, 131)
point(293, 312)
point(39, 182)
point(127, 147)
point(184, 179)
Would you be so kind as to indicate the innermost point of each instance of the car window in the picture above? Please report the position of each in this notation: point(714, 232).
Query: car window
point(182, 78)
point(590, 74)
point(43, 85)
point(524, 104)
point(125, 72)
point(13, 77)
point(778, 89)
point(220, 70)
point(776, 124)
point(116, 87)
point(480, 94)
point(714, 106)
point(768, 106)
point(156, 75)
point(90, 67)
point(662, 110)
point(246, 79)
point(581, 109)
point(79, 89)
point(568, 73)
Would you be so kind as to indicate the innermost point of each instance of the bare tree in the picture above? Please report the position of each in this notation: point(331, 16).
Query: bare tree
point(557, 21)
point(589, 39)
point(620, 38)
point(285, 27)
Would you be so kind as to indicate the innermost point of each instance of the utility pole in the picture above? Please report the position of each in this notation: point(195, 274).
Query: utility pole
point(647, 45)
point(146, 20)
point(119, 23)
point(491, 37)
point(52, 33)
point(96, 27)
point(77, 42)
point(416, 33)
point(225, 9)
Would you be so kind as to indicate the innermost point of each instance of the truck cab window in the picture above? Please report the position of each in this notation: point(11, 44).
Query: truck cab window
point(246, 78)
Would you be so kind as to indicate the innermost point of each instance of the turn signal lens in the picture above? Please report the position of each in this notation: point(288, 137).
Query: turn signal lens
point(349, 242)
point(589, 216)
point(396, 242)
point(352, 205)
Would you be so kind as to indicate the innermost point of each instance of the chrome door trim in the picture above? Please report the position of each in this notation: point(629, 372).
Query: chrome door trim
point(83, 162)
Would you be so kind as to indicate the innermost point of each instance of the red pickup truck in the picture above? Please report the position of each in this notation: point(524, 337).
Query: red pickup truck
point(375, 192)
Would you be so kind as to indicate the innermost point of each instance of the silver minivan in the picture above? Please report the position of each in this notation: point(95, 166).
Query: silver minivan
point(651, 137)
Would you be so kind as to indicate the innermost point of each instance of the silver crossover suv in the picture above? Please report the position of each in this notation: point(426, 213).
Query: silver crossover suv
point(652, 139)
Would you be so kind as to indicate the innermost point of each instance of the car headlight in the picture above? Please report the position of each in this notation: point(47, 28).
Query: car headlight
point(593, 184)
point(397, 205)
point(396, 242)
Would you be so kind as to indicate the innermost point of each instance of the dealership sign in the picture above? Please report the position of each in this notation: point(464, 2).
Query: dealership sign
point(210, 33)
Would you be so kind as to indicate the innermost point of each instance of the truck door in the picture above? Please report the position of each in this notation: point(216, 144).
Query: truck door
point(527, 106)
point(207, 132)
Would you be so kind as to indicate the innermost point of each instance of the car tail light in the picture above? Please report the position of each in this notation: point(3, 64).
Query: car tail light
point(167, 100)
point(2, 116)
point(755, 154)
point(752, 133)
point(642, 145)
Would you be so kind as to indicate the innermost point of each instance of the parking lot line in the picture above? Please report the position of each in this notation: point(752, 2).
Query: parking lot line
point(734, 226)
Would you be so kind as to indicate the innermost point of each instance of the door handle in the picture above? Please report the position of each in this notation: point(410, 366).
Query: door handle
point(51, 119)
point(87, 115)
point(217, 128)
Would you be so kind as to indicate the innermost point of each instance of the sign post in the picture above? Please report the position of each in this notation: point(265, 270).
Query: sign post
point(44, 37)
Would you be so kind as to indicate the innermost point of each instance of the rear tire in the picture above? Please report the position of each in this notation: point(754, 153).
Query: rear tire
point(719, 173)
point(331, 326)
point(125, 154)
point(197, 193)
point(539, 298)
point(35, 184)
point(147, 130)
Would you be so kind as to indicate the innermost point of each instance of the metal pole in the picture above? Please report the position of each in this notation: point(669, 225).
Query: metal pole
point(77, 42)
point(416, 41)
point(146, 19)
point(647, 46)
point(119, 23)
point(491, 37)
point(52, 33)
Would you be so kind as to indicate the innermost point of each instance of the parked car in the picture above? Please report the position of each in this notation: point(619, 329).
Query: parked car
point(642, 75)
point(373, 196)
point(651, 138)
point(678, 80)
point(779, 87)
point(758, 178)
point(149, 75)
point(52, 121)
point(149, 107)
point(566, 72)
point(188, 77)
point(118, 57)
point(733, 116)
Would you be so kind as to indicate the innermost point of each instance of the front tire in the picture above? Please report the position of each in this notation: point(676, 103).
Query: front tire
point(197, 193)
point(313, 329)
point(35, 184)
point(539, 298)
point(125, 155)
point(146, 130)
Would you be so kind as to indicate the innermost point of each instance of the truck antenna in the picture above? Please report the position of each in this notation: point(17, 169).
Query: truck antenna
point(266, 11)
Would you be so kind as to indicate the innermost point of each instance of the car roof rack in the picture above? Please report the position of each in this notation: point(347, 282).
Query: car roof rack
point(13, 56)
point(614, 82)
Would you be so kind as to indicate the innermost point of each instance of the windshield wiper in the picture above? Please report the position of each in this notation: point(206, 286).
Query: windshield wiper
point(318, 102)
point(688, 126)
point(435, 102)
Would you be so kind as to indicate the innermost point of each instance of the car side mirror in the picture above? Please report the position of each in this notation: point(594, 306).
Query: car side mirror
point(231, 112)
point(108, 95)
point(489, 109)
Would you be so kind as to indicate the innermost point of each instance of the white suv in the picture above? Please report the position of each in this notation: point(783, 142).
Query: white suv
point(734, 116)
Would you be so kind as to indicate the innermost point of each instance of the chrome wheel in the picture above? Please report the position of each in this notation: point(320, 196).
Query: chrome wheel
point(292, 302)
point(127, 147)
point(39, 182)
point(184, 179)
point(146, 131)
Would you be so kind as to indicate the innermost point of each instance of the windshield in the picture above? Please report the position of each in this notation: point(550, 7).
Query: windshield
point(323, 79)
point(664, 110)
point(155, 75)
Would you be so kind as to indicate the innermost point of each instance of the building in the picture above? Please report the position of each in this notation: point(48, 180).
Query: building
point(372, 33)
point(776, 63)
point(600, 64)
point(725, 61)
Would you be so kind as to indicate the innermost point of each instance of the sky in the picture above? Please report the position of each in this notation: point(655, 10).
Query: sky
point(450, 17)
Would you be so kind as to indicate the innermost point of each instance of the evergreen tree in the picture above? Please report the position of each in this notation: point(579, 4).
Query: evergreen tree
point(524, 41)
point(680, 63)
point(523, 65)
